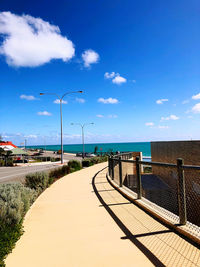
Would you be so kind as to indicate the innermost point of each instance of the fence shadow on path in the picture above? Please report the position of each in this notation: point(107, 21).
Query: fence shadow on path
point(158, 243)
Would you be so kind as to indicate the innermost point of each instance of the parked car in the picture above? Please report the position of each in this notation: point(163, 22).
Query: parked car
point(90, 155)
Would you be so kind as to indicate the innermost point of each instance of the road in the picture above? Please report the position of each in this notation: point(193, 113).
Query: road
point(9, 174)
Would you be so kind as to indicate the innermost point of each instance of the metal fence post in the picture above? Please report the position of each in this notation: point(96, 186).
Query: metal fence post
point(112, 168)
point(109, 165)
point(181, 192)
point(120, 172)
point(139, 181)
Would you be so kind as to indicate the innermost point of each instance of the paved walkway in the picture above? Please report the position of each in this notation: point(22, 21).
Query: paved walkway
point(82, 221)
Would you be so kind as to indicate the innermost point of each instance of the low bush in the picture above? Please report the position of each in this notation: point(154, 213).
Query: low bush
point(15, 200)
point(9, 162)
point(55, 159)
point(86, 163)
point(59, 172)
point(75, 164)
point(8, 237)
point(2, 162)
point(92, 161)
point(38, 181)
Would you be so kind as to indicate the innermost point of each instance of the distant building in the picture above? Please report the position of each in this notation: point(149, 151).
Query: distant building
point(17, 152)
point(7, 145)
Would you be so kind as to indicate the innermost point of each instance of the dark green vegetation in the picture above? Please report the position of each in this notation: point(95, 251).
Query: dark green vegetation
point(92, 161)
point(16, 199)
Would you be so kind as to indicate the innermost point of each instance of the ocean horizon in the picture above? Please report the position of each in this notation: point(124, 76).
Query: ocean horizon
point(144, 147)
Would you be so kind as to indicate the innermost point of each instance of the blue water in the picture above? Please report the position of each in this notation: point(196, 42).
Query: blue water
point(144, 147)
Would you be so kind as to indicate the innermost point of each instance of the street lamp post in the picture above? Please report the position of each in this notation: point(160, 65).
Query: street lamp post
point(82, 127)
point(61, 100)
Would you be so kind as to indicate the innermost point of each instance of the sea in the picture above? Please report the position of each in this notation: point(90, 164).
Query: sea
point(144, 147)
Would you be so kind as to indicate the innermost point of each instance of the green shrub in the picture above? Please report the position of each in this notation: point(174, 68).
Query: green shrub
point(38, 181)
point(94, 160)
point(15, 200)
point(8, 237)
point(75, 164)
point(9, 162)
point(59, 172)
point(87, 163)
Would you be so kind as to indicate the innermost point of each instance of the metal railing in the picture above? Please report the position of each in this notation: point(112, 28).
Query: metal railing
point(173, 187)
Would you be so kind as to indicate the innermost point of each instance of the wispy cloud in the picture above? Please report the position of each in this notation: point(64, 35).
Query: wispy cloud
point(185, 101)
point(34, 136)
point(109, 100)
point(28, 97)
point(80, 100)
point(57, 101)
point(90, 57)
point(163, 127)
point(196, 97)
point(149, 124)
point(160, 101)
point(112, 116)
point(31, 42)
point(99, 116)
point(171, 117)
point(196, 108)
point(44, 113)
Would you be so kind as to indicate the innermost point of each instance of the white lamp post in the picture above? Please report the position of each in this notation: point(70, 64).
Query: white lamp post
point(61, 99)
point(82, 127)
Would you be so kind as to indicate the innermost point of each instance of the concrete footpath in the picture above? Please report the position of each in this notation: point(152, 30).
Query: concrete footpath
point(82, 221)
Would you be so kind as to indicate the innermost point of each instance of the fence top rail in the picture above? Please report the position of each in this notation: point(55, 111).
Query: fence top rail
point(122, 154)
point(164, 164)
point(196, 167)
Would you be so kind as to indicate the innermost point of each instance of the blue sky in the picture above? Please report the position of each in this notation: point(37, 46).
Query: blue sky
point(138, 63)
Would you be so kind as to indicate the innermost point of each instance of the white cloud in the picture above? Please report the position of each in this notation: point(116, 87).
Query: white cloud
point(160, 101)
point(149, 124)
point(108, 75)
point(112, 116)
point(109, 100)
point(118, 79)
point(28, 97)
point(196, 108)
point(90, 57)
point(44, 113)
point(163, 127)
point(171, 117)
point(196, 97)
point(99, 116)
point(31, 42)
point(80, 100)
point(57, 101)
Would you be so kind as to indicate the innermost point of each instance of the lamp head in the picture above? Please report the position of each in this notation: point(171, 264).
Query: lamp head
point(41, 93)
point(80, 92)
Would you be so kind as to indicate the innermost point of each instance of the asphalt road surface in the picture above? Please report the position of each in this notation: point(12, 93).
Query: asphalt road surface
point(10, 174)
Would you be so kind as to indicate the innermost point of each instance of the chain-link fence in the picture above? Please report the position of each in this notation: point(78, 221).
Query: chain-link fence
point(174, 188)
